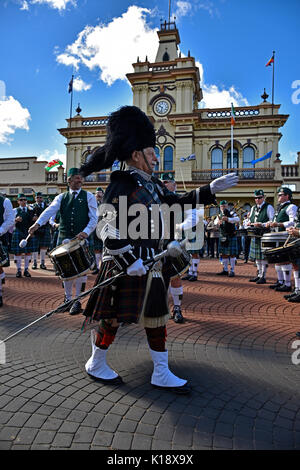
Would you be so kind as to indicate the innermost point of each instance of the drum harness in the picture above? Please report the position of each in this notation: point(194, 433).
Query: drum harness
point(173, 250)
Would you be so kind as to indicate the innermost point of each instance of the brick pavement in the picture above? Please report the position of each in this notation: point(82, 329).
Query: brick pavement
point(235, 346)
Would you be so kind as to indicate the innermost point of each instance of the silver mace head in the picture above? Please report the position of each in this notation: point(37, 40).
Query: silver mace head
point(174, 249)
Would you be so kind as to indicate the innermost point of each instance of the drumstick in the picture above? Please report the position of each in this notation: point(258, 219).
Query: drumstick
point(285, 243)
point(23, 242)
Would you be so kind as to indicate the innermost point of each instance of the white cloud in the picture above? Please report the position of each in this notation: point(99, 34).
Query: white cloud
point(112, 48)
point(48, 155)
point(80, 85)
point(24, 6)
point(12, 117)
point(57, 4)
point(182, 9)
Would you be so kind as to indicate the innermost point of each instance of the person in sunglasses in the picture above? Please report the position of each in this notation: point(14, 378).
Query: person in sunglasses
point(261, 213)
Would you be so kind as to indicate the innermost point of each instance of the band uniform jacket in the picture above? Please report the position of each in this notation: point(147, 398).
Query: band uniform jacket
point(131, 299)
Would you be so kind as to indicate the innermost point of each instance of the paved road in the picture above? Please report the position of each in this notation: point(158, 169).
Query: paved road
point(235, 346)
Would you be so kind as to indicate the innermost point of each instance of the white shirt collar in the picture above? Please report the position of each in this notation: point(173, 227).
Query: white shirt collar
point(75, 190)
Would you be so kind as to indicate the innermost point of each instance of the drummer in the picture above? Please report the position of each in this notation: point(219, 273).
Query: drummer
point(78, 219)
point(295, 232)
point(7, 219)
point(284, 218)
point(43, 235)
point(261, 213)
point(228, 246)
point(97, 242)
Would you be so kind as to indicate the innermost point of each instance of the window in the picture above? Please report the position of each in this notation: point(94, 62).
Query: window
point(166, 57)
point(156, 149)
point(248, 156)
point(13, 190)
point(168, 158)
point(235, 163)
point(216, 162)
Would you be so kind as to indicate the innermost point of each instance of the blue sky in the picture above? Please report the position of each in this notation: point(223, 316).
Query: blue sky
point(45, 41)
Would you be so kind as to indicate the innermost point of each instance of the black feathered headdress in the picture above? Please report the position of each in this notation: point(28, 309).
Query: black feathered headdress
point(128, 129)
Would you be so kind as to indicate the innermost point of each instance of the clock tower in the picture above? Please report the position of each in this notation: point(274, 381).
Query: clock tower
point(169, 91)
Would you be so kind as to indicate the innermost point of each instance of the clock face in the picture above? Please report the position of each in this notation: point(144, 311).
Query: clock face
point(162, 107)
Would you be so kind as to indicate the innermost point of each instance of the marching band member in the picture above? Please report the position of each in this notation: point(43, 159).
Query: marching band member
point(78, 218)
point(141, 294)
point(24, 216)
point(97, 242)
point(228, 247)
point(260, 215)
point(283, 219)
point(43, 234)
point(295, 232)
point(7, 220)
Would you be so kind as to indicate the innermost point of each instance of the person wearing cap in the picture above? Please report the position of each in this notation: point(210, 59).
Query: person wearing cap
point(260, 214)
point(140, 295)
point(7, 220)
point(24, 216)
point(228, 245)
point(284, 218)
point(43, 234)
point(77, 219)
point(97, 242)
point(176, 288)
point(295, 233)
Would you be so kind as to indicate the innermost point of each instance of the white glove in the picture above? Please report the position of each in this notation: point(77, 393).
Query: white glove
point(224, 182)
point(137, 268)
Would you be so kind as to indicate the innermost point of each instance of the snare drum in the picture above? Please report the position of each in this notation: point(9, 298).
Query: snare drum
point(256, 232)
point(273, 240)
point(72, 260)
point(284, 254)
point(177, 266)
point(4, 257)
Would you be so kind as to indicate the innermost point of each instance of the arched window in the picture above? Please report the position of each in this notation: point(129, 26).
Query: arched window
point(235, 159)
point(216, 162)
point(168, 158)
point(166, 57)
point(248, 156)
point(157, 153)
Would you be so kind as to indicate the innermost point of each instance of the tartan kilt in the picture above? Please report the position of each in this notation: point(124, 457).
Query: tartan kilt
point(255, 252)
point(45, 239)
point(98, 243)
point(123, 299)
point(231, 249)
point(17, 236)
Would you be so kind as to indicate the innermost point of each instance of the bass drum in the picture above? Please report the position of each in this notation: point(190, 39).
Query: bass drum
point(4, 256)
point(174, 267)
point(284, 254)
point(72, 259)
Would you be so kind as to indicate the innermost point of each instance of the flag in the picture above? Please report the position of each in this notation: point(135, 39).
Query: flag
point(191, 157)
point(71, 85)
point(53, 164)
point(232, 119)
point(265, 157)
point(271, 61)
point(182, 159)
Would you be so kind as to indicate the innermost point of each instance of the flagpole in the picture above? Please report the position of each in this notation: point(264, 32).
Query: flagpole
point(182, 179)
point(231, 146)
point(273, 82)
point(71, 105)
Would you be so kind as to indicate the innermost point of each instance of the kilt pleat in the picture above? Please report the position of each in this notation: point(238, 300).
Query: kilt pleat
point(255, 252)
point(44, 240)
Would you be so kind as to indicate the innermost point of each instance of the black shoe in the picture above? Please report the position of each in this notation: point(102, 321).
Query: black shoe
point(116, 381)
point(298, 334)
point(34, 266)
point(261, 280)
point(246, 261)
point(283, 288)
point(231, 274)
point(193, 278)
point(96, 271)
point(177, 315)
point(76, 308)
point(277, 284)
point(1, 302)
point(27, 273)
point(288, 296)
point(19, 274)
point(3, 281)
point(183, 390)
point(223, 273)
point(295, 298)
point(255, 279)
point(42, 266)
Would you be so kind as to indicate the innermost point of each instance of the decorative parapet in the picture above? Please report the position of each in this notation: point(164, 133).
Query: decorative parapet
point(223, 114)
point(95, 122)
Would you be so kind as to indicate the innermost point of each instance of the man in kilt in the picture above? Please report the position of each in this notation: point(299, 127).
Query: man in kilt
point(78, 219)
point(97, 242)
point(140, 296)
point(43, 234)
point(295, 232)
point(24, 216)
point(7, 220)
point(284, 218)
point(228, 245)
point(260, 215)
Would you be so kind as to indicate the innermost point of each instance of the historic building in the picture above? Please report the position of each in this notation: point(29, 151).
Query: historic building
point(169, 92)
